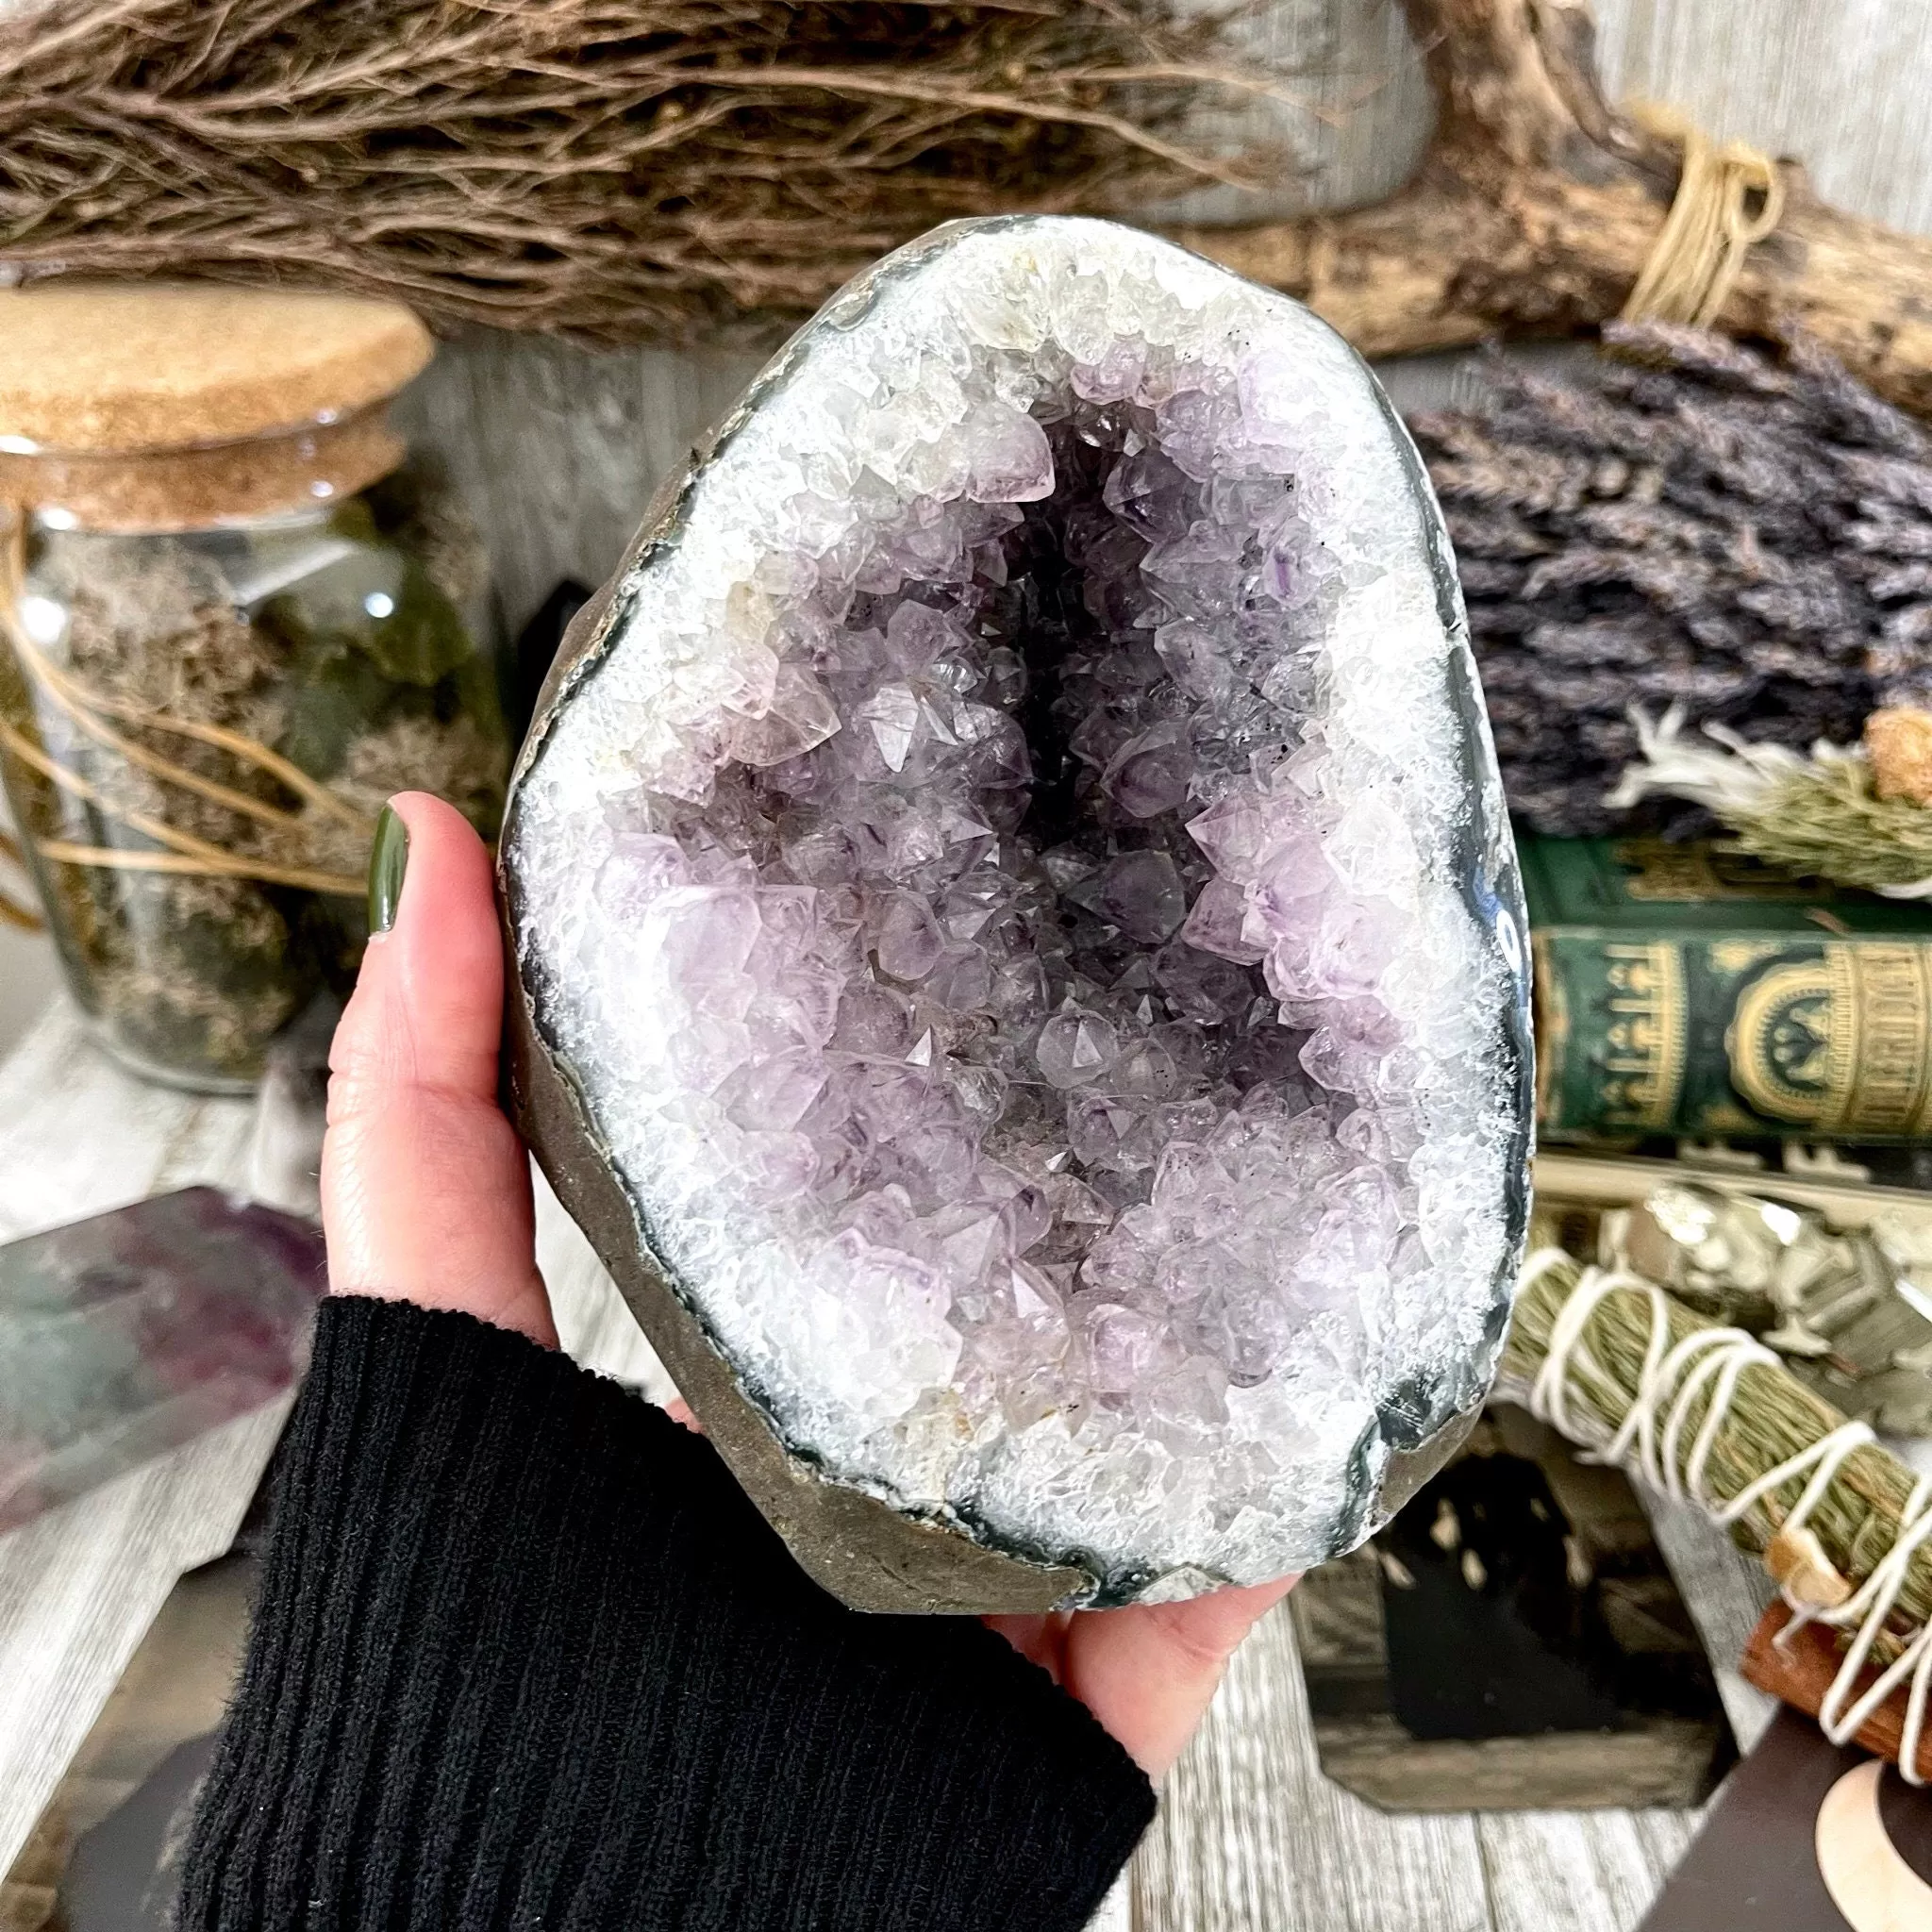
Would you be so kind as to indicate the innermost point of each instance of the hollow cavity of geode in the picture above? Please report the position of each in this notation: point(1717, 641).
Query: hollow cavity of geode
point(1020, 957)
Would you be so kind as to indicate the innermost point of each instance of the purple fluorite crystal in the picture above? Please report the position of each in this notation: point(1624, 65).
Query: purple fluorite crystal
point(132, 1333)
point(1022, 896)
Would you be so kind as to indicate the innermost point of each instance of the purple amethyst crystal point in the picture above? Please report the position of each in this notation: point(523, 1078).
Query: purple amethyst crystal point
point(1021, 968)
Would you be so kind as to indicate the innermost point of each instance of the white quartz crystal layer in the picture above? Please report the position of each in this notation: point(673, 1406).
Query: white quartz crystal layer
point(1002, 892)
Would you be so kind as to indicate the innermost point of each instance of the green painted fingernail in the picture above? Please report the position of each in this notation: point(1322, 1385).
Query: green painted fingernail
point(388, 861)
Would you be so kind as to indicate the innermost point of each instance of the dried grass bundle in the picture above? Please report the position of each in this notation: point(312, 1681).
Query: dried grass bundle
point(611, 169)
point(1707, 1414)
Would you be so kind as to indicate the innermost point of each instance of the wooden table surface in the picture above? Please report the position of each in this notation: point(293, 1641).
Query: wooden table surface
point(1251, 1837)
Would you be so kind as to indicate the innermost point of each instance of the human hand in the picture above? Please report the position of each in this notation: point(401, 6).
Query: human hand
point(425, 1196)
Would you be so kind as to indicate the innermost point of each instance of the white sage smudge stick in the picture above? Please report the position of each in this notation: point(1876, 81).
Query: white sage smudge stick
point(1708, 1414)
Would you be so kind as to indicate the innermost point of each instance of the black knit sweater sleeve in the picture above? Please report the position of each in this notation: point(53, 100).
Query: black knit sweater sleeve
point(526, 1657)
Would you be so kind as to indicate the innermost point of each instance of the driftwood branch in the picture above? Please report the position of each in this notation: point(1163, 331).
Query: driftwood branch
point(1536, 208)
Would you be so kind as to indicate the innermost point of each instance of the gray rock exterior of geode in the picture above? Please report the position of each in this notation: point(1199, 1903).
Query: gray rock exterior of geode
point(871, 1555)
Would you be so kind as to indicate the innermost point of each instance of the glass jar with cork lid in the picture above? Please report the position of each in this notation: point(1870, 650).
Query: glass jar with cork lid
point(237, 620)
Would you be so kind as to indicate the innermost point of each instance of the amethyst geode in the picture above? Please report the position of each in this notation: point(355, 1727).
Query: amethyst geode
point(1020, 956)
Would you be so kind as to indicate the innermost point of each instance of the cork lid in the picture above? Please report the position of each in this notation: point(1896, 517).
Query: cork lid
point(90, 367)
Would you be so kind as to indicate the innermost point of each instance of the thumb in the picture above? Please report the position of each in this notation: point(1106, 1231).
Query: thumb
point(425, 1188)
point(1149, 1671)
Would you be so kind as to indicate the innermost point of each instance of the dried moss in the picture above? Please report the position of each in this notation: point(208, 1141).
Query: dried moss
point(330, 643)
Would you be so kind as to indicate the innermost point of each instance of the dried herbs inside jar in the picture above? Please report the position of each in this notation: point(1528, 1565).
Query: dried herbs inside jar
point(203, 727)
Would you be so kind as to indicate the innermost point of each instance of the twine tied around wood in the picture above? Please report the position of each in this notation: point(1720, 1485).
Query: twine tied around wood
point(1700, 251)
point(1709, 1415)
point(95, 715)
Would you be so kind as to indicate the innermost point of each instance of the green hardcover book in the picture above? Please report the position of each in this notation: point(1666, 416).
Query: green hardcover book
point(1682, 991)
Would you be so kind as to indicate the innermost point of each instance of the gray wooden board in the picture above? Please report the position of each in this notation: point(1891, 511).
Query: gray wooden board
point(79, 1586)
point(556, 450)
point(1576, 1870)
point(1726, 1594)
point(1251, 1836)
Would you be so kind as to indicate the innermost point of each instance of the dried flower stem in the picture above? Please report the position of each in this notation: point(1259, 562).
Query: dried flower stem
point(81, 705)
point(183, 852)
point(15, 912)
point(1816, 817)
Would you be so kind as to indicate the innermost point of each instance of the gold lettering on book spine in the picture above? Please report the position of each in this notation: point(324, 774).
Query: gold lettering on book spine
point(1644, 1040)
point(1841, 1043)
point(1551, 1009)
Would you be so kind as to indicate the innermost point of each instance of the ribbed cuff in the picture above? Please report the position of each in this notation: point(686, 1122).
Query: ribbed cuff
point(526, 1656)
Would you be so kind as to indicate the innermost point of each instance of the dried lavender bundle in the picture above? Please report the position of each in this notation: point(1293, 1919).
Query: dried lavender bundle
point(1743, 533)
